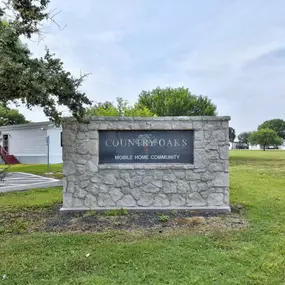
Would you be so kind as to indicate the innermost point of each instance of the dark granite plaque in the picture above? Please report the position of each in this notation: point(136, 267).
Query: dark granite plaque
point(146, 146)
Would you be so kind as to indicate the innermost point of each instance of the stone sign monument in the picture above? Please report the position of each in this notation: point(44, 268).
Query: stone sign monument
point(159, 163)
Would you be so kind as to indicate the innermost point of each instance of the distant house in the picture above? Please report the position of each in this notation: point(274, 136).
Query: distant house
point(31, 143)
point(238, 145)
point(233, 145)
point(282, 146)
point(258, 147)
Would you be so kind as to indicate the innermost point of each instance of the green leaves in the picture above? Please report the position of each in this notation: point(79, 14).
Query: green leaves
point(176, 102)
point(243, 137)
point(41, 81)
point(122, 108)
point(11, 117)
point(232, 134)
point(277, 125)
point(265, 137)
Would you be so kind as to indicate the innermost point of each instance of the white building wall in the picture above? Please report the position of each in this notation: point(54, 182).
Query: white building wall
point(282, 146)
point(28, 142)
point(254, 147)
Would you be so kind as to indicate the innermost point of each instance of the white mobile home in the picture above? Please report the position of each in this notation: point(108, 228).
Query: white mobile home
point(259, 147)
point(31, 143)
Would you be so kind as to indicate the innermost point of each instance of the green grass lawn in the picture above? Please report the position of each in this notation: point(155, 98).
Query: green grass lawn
point(55, 170)
point(254, 255)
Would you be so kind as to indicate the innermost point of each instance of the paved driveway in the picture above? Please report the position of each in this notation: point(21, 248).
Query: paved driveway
point(19, 181)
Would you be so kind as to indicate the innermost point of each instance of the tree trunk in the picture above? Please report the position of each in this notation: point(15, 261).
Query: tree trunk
point(264, 147)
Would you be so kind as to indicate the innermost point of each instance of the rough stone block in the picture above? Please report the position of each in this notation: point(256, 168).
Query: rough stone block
point(216, 166)
point(192, 176)
point(93, 135)
point(110, 179)
point(136, 193)
point(84, 183)
point(68, 168)
point(104, 188)
point(157, 183)
point(180, 174)
point(150, 188)
point(80, 169)
point(157, 174)
point(146, 200)
point(194, 186)
point(68, 137)
point(81, 147)
point(216, 199)
point(224, 152)
point(201, 159)
point(104, 200)
point(93, 189)
point(169, 177)
point(208, 135)
point(92, 147)
point(202, 186)
point(177, 201)
point(195, 200)
point(115, 194)
point(219, 135)
point(198, 125)
point(77, 202)
point(208, 176)
point(121, 183)
point(161, 200)
point(125, 176)
point(80, 136)
point(221, 179)
point(96, 179)
point(199, 135)
point(92, 166)
point(182, 186)
point(169, 187)
point(147, 179)
point(67, 200)
point(79, 192)
point(90, 202)
point(127, 201)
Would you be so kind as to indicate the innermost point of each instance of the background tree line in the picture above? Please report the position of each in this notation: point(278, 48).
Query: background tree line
point(158, 102)
point(269, 133)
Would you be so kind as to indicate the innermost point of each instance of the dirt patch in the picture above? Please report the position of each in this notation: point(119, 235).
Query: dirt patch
point(49, 219)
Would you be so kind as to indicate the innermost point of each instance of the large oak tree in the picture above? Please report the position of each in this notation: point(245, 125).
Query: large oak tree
point(31, 81)
point(277, 125)
point(265, 138)
point(176, 102)
point(10, 116)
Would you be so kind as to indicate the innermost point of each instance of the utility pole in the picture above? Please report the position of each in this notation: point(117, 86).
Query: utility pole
point(47, 142)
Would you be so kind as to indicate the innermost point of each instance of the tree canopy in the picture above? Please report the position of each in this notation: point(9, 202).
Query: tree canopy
point(277, 125)
point(243, 137)
point(232, 134)
point(265, 138)
point(11, 117)
point(121, 108)
point(41, 81)
point(176, 102)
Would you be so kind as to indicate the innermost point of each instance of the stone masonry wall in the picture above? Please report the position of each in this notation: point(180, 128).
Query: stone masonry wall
point(203, 185)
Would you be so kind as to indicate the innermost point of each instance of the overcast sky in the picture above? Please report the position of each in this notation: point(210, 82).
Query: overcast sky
point(232, 51)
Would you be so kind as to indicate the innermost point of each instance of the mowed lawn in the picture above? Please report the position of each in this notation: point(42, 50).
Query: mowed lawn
point(54, 170)
point(254, 255)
